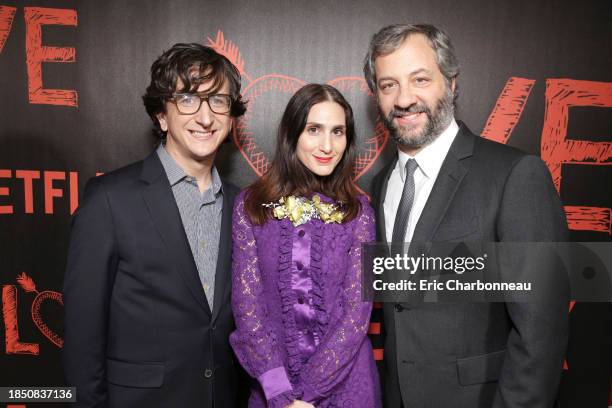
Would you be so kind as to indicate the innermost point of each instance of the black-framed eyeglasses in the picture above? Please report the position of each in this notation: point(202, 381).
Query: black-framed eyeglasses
point(190, 103)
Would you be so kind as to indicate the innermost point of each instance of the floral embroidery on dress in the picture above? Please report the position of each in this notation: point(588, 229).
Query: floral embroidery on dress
point(300, 210)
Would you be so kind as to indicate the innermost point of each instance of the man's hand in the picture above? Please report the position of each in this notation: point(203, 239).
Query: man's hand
point(300, 404)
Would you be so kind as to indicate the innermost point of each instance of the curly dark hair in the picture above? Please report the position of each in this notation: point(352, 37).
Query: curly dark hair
point(193, 64)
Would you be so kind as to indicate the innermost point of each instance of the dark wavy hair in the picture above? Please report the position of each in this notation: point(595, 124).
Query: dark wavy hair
point(193, 64)
point(288, 176)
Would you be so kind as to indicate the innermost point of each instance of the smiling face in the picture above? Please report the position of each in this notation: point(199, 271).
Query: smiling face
point(193, 140)
point(322, 143)
point(413, 96)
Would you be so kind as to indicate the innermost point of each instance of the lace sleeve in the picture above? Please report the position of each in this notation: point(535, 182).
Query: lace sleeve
point(253, 341)
point(336, 354)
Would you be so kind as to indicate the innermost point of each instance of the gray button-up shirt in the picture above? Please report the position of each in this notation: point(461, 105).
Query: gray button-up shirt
point(201, 217)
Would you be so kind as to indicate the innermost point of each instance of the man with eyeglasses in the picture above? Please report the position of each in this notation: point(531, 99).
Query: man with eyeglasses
point(147, 286)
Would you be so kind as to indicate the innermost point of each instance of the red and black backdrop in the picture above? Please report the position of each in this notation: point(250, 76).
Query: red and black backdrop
point(534, 74)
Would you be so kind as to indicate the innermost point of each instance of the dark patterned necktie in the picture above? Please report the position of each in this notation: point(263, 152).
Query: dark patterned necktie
point(405, 204)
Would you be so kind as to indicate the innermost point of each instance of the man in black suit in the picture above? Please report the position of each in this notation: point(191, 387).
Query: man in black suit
point(147, 286)
point(448, 185)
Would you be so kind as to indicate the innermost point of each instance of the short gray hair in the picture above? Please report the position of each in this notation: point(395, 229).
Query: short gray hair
point(390, 38)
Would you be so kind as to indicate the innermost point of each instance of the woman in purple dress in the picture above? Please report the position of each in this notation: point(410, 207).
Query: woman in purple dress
point(297, 231)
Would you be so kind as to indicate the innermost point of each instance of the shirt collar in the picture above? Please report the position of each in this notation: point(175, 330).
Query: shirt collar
point(175, 173)
point(430, 158)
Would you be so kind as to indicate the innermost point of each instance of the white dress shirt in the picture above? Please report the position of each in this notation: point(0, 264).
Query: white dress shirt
point(429, 161)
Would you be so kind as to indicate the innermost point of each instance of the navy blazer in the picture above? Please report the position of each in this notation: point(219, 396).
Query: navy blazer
point(138, 329)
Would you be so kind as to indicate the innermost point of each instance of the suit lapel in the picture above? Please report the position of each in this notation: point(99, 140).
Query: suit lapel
point(453, 170)
point(222, 274)
point(381, 187)
point(161, 204)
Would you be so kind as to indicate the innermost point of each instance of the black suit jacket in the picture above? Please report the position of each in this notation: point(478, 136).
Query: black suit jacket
point(138, 329)
point(478, 354)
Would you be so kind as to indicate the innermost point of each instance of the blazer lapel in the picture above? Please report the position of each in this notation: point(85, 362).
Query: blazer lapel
point(453, 169)
point(161, 204)
point(380, 200)
point(224, 257)
point(380, 186)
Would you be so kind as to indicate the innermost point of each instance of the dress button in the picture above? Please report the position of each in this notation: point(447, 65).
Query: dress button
point(301, 300)
point(398, 307)
point(299, 265)
point(208, 373)
point(301, 233)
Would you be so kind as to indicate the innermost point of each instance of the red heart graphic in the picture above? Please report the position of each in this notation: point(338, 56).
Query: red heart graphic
point(36, 317)
point(245, 140)
point(243, 135)
point(375, 144)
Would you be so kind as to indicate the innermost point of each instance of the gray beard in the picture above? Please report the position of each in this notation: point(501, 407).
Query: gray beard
point(437, 122)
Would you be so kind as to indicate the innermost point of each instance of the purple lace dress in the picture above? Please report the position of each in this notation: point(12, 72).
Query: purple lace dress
point(300, 323)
